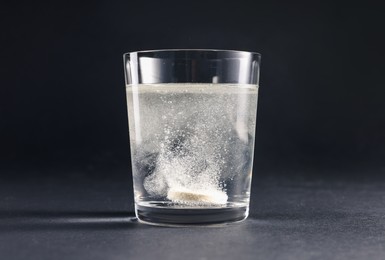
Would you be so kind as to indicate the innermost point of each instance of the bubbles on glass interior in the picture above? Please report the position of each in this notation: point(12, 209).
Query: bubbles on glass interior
point(196, 142)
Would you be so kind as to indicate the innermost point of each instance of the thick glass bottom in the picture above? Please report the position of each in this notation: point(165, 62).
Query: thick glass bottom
point(171, 214)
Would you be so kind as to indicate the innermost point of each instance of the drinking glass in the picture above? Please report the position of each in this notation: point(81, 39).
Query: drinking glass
point(192, 119)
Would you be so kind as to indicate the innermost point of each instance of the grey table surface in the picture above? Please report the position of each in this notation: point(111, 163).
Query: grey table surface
point(84, 217)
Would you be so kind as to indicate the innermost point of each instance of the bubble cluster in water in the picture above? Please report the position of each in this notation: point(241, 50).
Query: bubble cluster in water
point(192, 141)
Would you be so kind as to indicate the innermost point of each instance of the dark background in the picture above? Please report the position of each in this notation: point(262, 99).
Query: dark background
point(318, 185)
point(322, 88)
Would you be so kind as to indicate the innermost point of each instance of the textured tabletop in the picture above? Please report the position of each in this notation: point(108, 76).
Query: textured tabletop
point(83, 217)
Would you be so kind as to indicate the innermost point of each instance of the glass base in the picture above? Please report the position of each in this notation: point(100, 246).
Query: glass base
point(170, 214)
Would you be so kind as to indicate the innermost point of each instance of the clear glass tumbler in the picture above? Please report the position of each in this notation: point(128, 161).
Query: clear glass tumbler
point(192, 118)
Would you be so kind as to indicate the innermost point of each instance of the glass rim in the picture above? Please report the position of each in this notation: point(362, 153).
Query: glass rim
point(193, 50)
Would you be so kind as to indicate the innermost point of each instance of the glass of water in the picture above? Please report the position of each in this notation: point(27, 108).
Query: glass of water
point(192, 118)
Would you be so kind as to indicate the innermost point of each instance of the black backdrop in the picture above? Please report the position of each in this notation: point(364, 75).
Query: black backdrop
point(322, 93)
